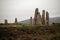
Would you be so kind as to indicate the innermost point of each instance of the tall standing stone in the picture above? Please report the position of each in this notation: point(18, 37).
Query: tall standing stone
point(47, 17)
point(6, 22)
point(39, 18)
point(16, 21)
point(35, 16)
point(30, 20)
point(43, 17)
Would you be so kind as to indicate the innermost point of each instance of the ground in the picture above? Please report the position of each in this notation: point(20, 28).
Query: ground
point(29, 32)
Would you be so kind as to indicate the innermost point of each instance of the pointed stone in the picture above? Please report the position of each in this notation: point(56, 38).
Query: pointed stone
point(30, 20)
point(16, 21)
point(6, 22)
point(35, 16)
point(39, 18)
point(47, 17)
point(43, 17)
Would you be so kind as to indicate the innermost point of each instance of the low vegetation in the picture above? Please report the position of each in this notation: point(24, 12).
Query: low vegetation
point(29, 32)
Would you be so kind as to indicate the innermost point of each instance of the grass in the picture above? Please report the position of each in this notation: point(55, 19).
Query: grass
point(29, 32)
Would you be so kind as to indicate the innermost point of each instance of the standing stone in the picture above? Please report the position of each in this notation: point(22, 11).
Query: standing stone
point(16, 21)
point(6, 22)
point(35, 16)
point(47, 18)
point(43, 17)
point(30, 20)
point(39, 18)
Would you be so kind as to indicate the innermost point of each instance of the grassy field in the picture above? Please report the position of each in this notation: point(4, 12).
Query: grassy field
point(30, 32)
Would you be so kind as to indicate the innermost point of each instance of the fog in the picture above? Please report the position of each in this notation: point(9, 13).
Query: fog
point(24, 9)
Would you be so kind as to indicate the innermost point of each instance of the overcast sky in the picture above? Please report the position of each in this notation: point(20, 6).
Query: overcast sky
point(23, 9)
